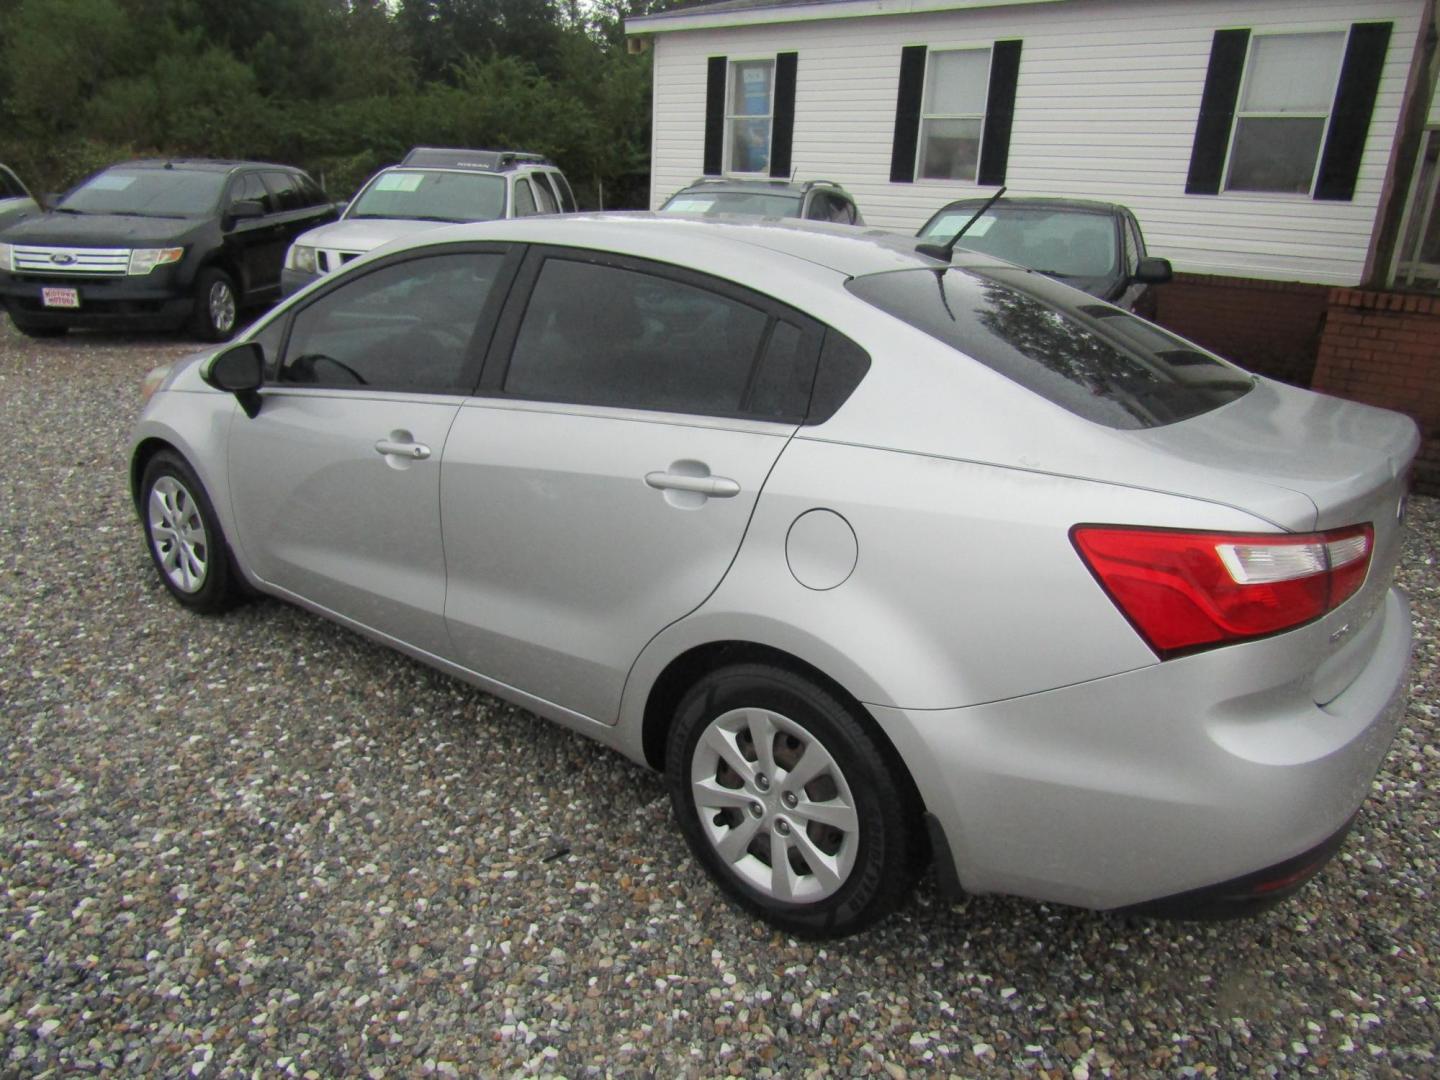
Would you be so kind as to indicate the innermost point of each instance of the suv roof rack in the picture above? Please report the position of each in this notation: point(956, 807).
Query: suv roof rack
point(776, 180)
point(460, 158)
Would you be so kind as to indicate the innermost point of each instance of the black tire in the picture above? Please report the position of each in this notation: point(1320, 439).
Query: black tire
point(183, 536)
point(38, 330)
point(872, 863)
point(217, 306)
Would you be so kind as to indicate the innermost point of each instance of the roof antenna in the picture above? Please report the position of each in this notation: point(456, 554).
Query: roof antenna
point(945, 251)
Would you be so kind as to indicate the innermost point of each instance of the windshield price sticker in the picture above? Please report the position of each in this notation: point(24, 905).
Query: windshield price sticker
point(55, 297)
point(400, 182)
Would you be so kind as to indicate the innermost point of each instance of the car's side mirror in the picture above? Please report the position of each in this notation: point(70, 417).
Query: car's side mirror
point(245, 210)
point(239, 370)
point(1153, 271)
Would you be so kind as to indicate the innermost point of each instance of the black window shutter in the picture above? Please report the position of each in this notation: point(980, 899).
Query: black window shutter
point(782, 125)
point(715, 117)
point(1350, 118)
point(1217, 112)
point(907, 114)
point(999, 112)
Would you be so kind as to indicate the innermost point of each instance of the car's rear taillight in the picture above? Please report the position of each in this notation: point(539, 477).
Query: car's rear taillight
point(1187, 591)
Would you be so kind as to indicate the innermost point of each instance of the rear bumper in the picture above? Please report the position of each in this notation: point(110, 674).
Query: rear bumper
point(1178, 784)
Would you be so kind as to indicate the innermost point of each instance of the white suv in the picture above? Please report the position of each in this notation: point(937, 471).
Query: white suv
point(432, 186)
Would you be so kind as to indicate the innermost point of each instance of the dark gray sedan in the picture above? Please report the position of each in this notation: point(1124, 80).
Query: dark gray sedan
point(1094, 246)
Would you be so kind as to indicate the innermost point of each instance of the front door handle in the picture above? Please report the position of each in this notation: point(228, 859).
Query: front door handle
point(716, 487)
point(412, 450)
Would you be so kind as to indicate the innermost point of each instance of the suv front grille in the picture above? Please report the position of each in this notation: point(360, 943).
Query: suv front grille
point(70, 260)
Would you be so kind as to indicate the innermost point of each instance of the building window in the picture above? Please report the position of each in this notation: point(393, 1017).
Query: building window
point(1418, 265)
point(1287, 113)
point(749, 111)
point(954, 110)
point(1285, 100)
point(952, 117)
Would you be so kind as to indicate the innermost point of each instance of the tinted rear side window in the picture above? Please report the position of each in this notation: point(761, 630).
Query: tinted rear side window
point(1096, 361)
point(602, 335)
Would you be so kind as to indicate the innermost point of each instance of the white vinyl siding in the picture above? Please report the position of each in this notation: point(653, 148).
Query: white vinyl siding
point(1106, 107)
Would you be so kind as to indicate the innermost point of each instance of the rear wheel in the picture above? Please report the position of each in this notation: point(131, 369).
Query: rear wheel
point(786, 798)
point(184, 538)
point(217, 307)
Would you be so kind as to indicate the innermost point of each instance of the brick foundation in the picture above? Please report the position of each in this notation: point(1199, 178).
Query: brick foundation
point(1268, 327)
point(1383, 348)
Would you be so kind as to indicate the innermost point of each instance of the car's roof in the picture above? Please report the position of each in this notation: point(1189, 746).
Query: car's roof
point(714, 241)
point(1090, 206)
point(200, 164)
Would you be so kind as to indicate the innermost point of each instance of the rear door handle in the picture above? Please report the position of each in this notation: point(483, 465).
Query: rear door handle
point(716, 487)
point(412, 450)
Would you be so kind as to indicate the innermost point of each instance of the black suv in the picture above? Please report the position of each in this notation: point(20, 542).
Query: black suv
point(158, 245)
point(813, 200)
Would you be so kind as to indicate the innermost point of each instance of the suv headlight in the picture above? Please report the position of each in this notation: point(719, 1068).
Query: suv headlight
point(143, 260)
point(301, 258)
point(5, 263)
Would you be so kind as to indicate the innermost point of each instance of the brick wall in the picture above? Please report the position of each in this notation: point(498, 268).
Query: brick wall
point(1383, 348)
point(1268, 327)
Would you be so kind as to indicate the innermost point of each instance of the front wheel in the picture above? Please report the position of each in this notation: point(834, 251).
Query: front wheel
point(184, 538)
point(217, 306)
point(786, 798)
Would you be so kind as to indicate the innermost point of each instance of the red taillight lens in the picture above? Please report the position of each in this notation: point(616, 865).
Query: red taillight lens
point(1187, 591)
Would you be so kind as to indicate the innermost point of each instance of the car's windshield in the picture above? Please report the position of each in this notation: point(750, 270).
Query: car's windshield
point(432, 196)
point(1063, 242)
point(166, 192)
point(761, 203)
point(1093, 359)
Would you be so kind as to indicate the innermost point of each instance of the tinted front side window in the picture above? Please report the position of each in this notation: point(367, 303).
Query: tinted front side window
point(524, 198)
point(286, 188)
point(406, 326)
point(603, 335)
point(1097, 362)
point(248, 187)
point(148, 193)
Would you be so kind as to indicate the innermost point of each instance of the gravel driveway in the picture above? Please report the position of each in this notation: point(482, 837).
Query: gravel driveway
point(261, 845)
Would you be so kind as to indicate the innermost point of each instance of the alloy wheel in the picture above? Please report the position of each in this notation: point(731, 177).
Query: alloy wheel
point(177, 533)
point(775, 805)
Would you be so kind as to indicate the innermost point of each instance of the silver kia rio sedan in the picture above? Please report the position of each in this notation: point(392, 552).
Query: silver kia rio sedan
point(880, 559)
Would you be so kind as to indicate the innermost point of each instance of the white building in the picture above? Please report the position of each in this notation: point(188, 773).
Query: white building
point(1275, 140)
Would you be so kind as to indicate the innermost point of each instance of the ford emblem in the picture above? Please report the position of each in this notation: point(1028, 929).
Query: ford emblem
point(60, 258)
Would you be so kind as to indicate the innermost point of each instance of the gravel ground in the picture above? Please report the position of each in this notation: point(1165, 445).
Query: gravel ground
point(260, 845)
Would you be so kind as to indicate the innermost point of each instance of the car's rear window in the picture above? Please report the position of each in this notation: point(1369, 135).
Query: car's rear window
point(432, 196)
point(762, 203)
point(147, 193)
point(1090, 358)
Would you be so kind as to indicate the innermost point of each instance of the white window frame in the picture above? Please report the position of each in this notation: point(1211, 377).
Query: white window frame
point(1409, 270)
point(732, 74)
point(1328, 115)
point(926, 117)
